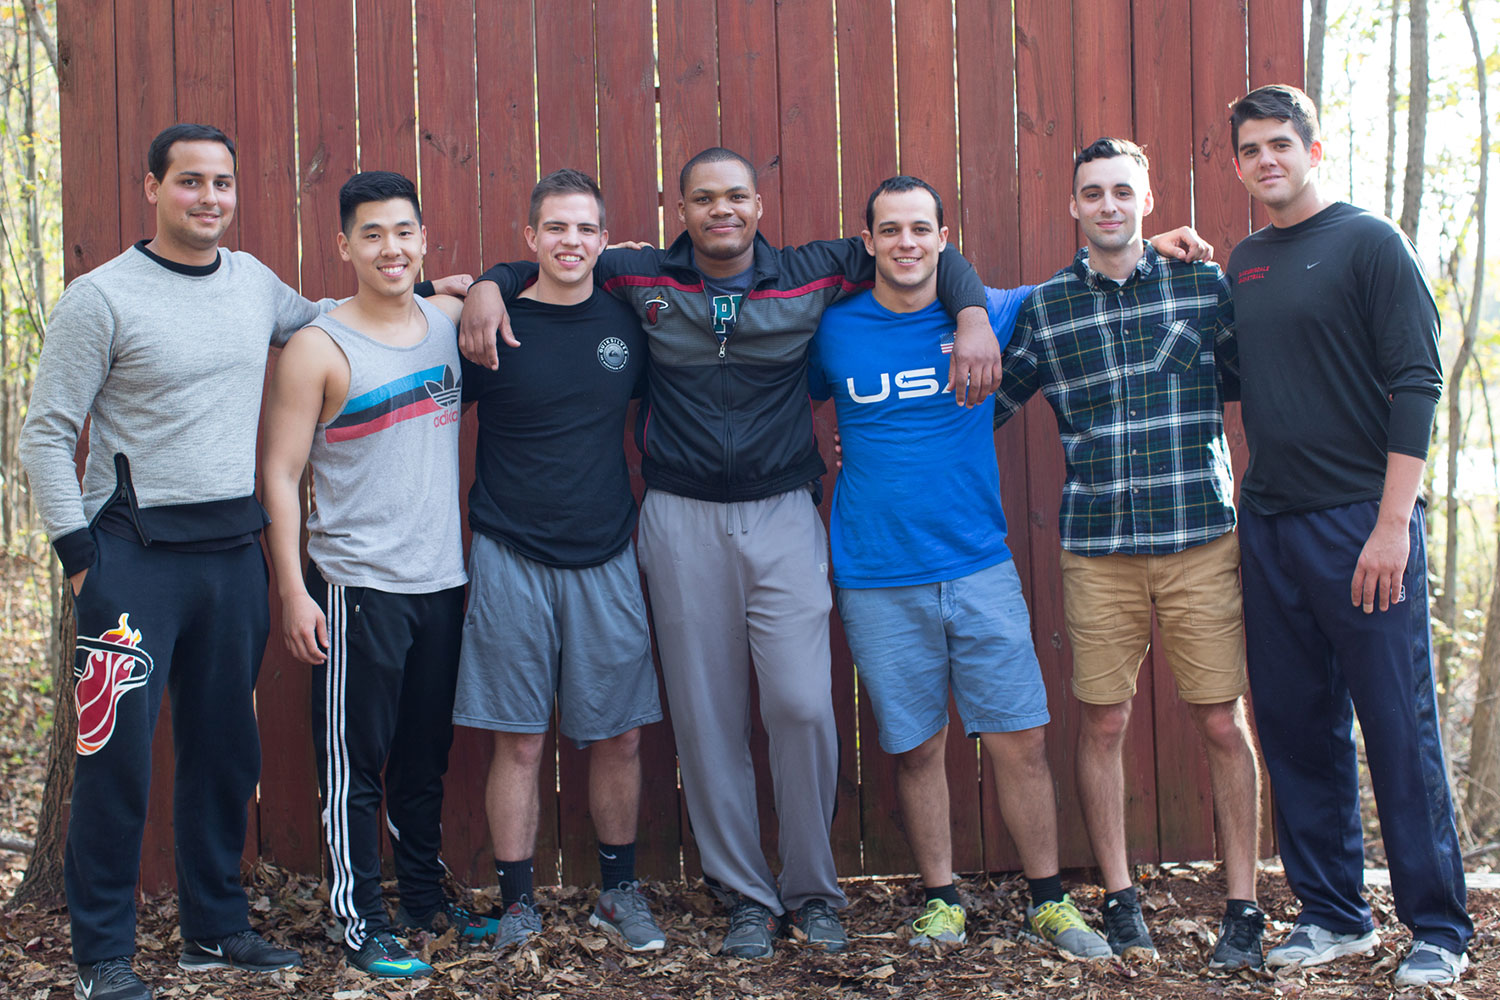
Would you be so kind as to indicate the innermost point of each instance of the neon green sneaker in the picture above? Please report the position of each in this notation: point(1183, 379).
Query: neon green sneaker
point(1061, 925)
point(940, 923)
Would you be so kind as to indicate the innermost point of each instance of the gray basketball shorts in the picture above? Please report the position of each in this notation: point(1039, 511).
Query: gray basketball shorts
point(534, 633)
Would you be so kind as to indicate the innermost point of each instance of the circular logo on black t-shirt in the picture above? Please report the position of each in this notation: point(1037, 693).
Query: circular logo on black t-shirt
point(613, 354)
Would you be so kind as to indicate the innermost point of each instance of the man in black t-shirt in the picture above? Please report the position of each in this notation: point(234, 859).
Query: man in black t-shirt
point(1340, 374)
point(555, 604)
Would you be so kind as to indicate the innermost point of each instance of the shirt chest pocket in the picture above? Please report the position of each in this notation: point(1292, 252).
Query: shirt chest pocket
point(1177, 347)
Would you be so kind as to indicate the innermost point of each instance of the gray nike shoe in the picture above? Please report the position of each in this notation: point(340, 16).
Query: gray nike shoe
point(518, 924)
point(626, 915)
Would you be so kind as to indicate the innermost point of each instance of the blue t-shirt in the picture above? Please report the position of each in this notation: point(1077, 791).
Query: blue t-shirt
point(918, 499)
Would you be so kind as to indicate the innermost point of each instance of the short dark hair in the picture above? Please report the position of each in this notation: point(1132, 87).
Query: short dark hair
point(564, 181)
point(159, 156)
point(900, 184)
point(1107, 148)
point(714, 154)
point(1281, 102)
point(374, 185)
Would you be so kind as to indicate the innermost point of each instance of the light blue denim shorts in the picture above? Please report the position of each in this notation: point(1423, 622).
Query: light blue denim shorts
point(971, 636)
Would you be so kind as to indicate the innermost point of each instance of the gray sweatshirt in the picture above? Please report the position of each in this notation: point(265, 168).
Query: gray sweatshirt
point(169, 362)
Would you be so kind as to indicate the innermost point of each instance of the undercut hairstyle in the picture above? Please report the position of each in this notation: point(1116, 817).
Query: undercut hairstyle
point(714, 154)
point(159, 156)
point(1278, 101)
point(564, 181)
point(1107, 148)
point(900, 184)
point(374, 185)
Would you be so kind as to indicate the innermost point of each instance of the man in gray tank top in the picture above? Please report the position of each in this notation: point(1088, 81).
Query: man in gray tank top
point(369, 395)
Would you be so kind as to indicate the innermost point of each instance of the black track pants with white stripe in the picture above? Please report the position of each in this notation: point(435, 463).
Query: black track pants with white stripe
point(383, 702)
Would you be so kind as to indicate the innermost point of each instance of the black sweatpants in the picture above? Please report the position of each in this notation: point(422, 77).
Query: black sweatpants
point(153, 620)
point(384, 701)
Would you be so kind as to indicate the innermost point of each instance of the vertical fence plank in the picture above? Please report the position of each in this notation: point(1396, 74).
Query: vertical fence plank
point(1164, 124)
point(145, 105)
point(627, 173)
point(326, 130)
point(1044, 102)
point(203, 51)
point(748, 96)
point(810, 189)
point(448, 162)
point(868, 154)
point(991, 240)
point(689, 81)
point(387, 95)
point(288, 805)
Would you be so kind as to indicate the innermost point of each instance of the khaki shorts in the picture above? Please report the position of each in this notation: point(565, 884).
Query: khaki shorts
point(1107, 602)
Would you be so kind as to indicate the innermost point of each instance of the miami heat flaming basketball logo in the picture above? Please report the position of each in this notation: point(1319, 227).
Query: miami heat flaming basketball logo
point(110, 666)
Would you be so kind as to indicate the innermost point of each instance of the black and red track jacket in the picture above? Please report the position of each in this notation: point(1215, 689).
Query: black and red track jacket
point(732, 420)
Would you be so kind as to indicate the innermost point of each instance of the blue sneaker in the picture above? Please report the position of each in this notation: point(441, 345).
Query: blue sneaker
point(382, 955)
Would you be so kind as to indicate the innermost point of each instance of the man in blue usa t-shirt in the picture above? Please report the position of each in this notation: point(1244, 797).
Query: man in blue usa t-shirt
point(928, 593)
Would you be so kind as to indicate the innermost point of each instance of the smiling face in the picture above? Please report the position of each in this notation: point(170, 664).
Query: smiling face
point(567, 238)
point(195, 199)
point(721, 211)
point(906, 241)
point(386, 244)
point(1276, 167)
point(1111, 196)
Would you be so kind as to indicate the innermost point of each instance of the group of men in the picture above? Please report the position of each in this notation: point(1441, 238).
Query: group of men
point(723, 338)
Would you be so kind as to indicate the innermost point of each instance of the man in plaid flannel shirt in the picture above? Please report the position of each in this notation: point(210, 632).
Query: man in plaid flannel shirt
point(1130, 349)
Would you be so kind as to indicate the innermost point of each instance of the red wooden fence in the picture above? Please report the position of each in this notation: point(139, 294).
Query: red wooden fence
point(984, 98)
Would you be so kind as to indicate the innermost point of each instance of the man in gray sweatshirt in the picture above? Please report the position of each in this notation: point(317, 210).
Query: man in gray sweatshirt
point(164, 348)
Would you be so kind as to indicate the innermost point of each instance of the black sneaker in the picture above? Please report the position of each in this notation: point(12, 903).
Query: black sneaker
point(752, 929)
point(241, 950)
point(1125, 929)
point(1239, 939)
point(818, 925)
point(111, 979)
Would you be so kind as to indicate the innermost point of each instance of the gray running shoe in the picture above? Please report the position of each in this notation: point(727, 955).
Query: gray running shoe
point(518, 924)
point(819, 925)
point(752, 929)
point(1060, 924)
point(1429, 965)
point(624, 912)
point(1125, 929)
point(940, 923)
point(1309, 944)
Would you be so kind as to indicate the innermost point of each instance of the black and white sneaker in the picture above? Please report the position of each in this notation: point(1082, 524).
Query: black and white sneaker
point(111, 979)
point(1239, 944)
point(241, 950)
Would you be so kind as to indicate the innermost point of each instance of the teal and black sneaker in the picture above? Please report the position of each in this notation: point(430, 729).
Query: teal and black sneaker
point(382, 955)
point(471, 926)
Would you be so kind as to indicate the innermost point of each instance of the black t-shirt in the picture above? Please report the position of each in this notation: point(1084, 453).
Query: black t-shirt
point(1338, 353)
point(550, 477)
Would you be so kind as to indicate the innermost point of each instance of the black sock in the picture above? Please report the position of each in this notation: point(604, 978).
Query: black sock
point(515, 881)
point(1045, 890)
point(616, 864)
point(947, 893)
point(1125, 895)
point(1238, 907)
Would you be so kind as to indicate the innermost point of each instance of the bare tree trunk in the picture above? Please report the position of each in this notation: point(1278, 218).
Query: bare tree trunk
point(1390, 116)
point(1482, 800)
point(1446, 605)
point(1416, 124)
point(1317, 31)
point(43, 884)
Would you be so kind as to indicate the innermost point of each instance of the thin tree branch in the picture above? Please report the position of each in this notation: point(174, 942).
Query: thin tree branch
point(39, 25)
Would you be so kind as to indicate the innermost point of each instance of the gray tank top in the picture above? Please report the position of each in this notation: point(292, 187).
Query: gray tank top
point(385, 468)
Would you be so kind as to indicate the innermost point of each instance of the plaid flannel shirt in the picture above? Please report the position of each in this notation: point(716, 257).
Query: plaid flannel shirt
point(1137, 373)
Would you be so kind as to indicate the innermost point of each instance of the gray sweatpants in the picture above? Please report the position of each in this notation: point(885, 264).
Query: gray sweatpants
point(733, 584)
